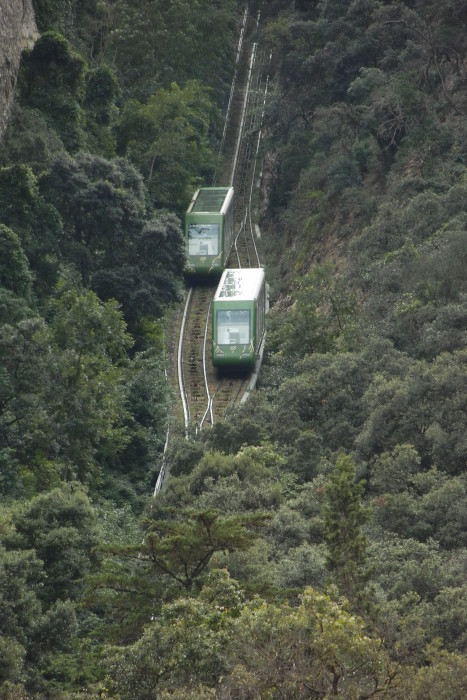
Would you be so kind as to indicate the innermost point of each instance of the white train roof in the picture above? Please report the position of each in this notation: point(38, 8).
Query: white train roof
point(240, 285)
point(211, 200)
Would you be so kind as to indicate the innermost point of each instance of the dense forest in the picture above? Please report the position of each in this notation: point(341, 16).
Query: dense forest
point(314, 544)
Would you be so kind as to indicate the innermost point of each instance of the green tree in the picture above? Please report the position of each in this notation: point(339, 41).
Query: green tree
point(420, 405)
point(121, 246)
point(448, 619)
point(23, 210)
point(344, 517)
point(149, 280)
point(88, 404)
point(63, 407)
point(441, 677)
point(14, 269)
point(60, 528)
point(316, 649)
point(21, 575)
point(138, 38)
point(54, 13)
point(25, 375)
point(182, 550)
point(167, 138)
point(32, 638)
point(404, 566)
point(29, 139)
point(247, 482)
point(322, 307)
point(183, 647)
point(175, 558)
point(52, 81)
point(430, 507)
point(102, 206)
point(101, 92)
point(220, 643)
point(302, 566)
point(392, 473)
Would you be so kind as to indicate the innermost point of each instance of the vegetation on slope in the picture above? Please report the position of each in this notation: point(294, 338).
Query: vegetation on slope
point(312, 545)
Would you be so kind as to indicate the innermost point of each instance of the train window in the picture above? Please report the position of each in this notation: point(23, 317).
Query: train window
point(233, 327)
point(203, 239)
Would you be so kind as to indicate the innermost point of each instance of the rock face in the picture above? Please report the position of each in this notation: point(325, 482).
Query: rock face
point(17, 31)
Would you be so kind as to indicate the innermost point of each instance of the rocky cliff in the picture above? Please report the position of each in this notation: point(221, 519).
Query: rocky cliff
point(17, 31)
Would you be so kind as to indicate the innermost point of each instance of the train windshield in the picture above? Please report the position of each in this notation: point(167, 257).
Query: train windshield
point(203, 239)
point(233, 327)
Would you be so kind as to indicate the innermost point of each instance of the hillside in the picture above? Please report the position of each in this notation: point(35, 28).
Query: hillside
point(312, 545)
point(17, 31)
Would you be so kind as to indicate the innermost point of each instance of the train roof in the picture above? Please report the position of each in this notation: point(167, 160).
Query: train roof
point(240, 285)
point(211, 199)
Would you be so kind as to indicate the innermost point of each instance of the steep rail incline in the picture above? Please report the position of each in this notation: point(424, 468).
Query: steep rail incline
point(205, 395)
point(208, 395)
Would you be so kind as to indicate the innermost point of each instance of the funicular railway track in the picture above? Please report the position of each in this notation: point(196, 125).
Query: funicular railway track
point(228, 389)
point(245, 253)
point(195, 332)
point(206, 394)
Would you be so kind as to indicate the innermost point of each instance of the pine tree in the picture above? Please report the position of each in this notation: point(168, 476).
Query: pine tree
point(344, 517)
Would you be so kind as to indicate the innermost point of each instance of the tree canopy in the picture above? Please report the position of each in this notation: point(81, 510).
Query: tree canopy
point(312, 544)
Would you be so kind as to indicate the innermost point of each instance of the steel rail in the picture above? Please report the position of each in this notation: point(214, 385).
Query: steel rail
point(255, 161)
point(245, 176)
point(186, 409)
point(235, 103)
point(161, 477)
point(242, 121)
point(233, 85)
point(206, 384)
point(233, 399)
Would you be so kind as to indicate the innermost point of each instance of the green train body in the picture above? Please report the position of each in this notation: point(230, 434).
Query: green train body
point(209, 231)
point(238, 318)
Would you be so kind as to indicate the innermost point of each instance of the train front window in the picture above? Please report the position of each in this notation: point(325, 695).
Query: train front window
point(203, 239)
point(233, 327)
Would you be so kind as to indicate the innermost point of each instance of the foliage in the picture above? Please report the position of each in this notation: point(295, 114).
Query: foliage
point(37, 630)
point(321, 308)
point(60, 528)
point(344, 517)
point(120, 246)
point(429, 507)
point(354, 444)
point(24, 211)
point(101, 92)
point(137, 39)
point(167, 138)
point(183, 549)
point(53, 13)
point(429, 420)
point(29, 140)
point(62, 398)
point(52, 81)
point(147, 402)
point(186, 642)
point(316, 648)
point(249, 649)
point(14, 270)
point(173, 559)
